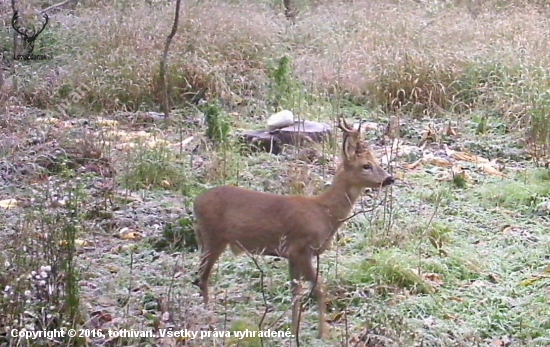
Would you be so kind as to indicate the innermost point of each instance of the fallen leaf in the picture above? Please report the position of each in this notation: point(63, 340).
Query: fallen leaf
point(77, 242)
point(469, 157)
point(9, 203)
point(493, 278)
point(441, 162)
point(125, 146)
point(501, 342)
point(437, 161)
point(158, 143)
point(436, 279)
point(455, 172)
point(533, 280)
point(491, 170)
point(478, 284)
point(415, 164)
point(450, 317)
point(107, 122)
point(102, 317)
point(465, 156)
point(132, 235)
point(507, 229)
point(336, 317)
point(47, 120)
point(80, 242)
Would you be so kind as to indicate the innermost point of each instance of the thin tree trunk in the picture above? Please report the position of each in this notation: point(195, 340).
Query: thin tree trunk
point(165, 58)
point(290, 10)
point(14, 9)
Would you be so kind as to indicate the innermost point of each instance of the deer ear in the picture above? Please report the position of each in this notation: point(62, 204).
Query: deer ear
point(349, 147)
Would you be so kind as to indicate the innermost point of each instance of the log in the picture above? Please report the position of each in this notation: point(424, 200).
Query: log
point(299, 134)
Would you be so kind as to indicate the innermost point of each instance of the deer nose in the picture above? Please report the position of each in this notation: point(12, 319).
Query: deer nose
point(389, 180)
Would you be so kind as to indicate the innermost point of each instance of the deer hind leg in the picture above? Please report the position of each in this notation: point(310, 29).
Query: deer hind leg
point(311, 274)
point(209, 257)
point(296, 288)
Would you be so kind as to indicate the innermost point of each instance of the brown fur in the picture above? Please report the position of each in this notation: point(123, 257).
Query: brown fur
point(293, 227)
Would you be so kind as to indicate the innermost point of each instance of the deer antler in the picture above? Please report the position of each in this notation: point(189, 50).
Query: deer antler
point(28, 36)
point(344, 127)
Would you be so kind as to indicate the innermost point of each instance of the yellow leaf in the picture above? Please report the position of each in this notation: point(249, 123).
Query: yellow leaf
point(337, 316)
point(132, 235)
point(9, 203)
point(441, 162)
point(107, 122)
point(465, 156)
point(344, 241)
point(77, 242)
point(126, 146)
point(48, 120)
point(158, 143)
point(415, 164)
point(531, 280)
point(436, 279)
point(80, 242)
point(492, 171)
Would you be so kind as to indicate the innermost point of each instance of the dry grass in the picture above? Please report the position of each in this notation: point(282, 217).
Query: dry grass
point(416, 57)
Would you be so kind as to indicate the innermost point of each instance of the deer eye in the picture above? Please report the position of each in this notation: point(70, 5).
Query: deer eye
point(367, 167)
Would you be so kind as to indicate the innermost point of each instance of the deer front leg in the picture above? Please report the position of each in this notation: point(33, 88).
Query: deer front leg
point(296, 289)
point(311, 275)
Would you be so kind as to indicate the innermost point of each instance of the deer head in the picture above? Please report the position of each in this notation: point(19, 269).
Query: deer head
point(358, 162)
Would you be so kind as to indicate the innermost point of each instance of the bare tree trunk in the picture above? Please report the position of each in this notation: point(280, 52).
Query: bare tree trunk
point(290, 10)
point(14, 9)
point(165, 58)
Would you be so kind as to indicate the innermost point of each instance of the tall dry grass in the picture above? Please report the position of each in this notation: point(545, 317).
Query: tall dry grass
point(420, 58)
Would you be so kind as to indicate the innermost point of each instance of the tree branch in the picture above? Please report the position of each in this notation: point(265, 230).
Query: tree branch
point(58, 5)
point(165, 58)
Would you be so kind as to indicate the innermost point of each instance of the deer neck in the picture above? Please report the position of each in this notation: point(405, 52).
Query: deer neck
point(339, 199)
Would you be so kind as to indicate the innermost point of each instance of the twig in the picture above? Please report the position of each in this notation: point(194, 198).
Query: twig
point(360, 212)
point(58, 5)
point(262, 289)
point(173, 278)
point(165, 58)
point(127, 312)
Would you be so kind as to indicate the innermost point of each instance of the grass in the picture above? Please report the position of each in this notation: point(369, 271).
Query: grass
point(96, 201)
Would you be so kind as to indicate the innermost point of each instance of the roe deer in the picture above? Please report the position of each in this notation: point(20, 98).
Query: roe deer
point(293, 227)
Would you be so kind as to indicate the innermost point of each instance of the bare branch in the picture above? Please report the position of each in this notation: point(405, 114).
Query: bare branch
point(61, 4)
point(165, 58)
point(263, 291)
